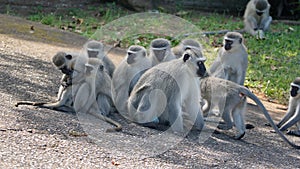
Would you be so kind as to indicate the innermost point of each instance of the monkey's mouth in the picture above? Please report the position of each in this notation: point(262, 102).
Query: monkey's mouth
point(202, 74)
point(130, 59)
point(160, 54)
point(259, 13)
point(293, 93)
point(227, 47)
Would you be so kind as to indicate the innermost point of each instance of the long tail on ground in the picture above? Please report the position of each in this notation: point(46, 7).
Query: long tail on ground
point(246, 92)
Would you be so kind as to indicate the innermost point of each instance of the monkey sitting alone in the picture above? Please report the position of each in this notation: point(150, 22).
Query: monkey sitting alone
point(256, 17)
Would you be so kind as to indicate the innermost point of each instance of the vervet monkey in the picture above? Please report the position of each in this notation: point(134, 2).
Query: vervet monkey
point(232, 60)
point(191, 43)
point(167, 91)
point(92, 94)
point(95, 49)
point(292, 116)
point(66, 64)
point(256, 17)
point(216, 89)
point(127, 74)
point(160, 51)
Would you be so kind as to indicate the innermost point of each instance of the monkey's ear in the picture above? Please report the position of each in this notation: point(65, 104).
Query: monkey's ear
point(69, 57)
point(186, 57)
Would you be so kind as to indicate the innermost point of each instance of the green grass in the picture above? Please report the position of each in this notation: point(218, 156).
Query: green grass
point(273, 63)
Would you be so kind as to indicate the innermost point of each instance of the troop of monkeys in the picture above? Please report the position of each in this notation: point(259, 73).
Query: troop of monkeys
point(169, 86)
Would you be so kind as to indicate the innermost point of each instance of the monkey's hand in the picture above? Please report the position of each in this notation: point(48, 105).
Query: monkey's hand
point(294, 133)
point(260, 34)
point(66, 83)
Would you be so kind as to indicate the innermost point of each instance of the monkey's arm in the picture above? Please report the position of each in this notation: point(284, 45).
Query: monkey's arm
point(293, 120)
point(290, 112)
point(251, 25)
point(265, 23)
point(82, 97)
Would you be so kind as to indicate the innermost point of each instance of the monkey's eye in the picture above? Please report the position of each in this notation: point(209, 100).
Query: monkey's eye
point(259, 13)
point(229, 42)
point(69, 57)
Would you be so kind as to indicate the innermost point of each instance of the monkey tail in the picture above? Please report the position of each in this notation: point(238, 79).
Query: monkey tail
point(247, 92)
point(28, 103)
point(109, 120)
point(113, 122)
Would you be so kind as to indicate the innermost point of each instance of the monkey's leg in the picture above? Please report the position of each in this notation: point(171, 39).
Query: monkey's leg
point(265, 23)
point(103, 104)
point(295, 132)
point(60, 92)
point(238, 118)
point(226, 116)
point(64, 104)
point(287, 116)
point(29, 103)
point(175, 117)
point(205, 106)
point(225, 109)
point(293, 120)
point(195, 114)
point(251, 26)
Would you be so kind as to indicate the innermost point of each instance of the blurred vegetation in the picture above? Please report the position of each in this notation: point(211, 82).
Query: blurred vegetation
point(273, 62)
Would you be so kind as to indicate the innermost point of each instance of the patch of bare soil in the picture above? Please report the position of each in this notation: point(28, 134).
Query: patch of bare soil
point(39, 138)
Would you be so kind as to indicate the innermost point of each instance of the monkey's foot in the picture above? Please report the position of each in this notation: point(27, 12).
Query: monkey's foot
point(239, 136)
point(260, 34)
point(224, 127)
point(294, 133)
point(249, 126)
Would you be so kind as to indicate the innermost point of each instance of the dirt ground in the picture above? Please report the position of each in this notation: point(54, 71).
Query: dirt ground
point(40, 138)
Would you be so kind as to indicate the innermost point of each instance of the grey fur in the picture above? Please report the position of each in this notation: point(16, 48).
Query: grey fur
point(160, 51)
point(167, 89)
point(127, 74)
point(235, 97)
point(96, 49)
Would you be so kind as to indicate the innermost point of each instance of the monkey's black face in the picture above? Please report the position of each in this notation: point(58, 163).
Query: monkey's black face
point(201, 69)
point(160, 54)
point(259, 13)
point(228, 44)
point(294, 91)
point(92, 54)
point(66, 71)
point(131, 58)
